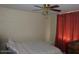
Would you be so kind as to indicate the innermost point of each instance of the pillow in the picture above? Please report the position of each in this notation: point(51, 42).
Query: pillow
point(11, 43)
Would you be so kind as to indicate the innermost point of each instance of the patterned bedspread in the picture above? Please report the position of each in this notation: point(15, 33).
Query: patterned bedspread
point(33, 47)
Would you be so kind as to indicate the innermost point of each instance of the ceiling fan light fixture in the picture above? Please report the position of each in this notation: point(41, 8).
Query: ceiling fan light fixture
point(46, 8)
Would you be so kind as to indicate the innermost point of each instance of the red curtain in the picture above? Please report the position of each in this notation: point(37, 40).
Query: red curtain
point(67, 29)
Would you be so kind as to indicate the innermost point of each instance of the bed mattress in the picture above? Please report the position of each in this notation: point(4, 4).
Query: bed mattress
point(33, 47)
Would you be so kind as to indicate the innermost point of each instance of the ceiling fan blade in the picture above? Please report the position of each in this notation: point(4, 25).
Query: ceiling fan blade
point(56, 10)
point(55, 6)
point(37, 6)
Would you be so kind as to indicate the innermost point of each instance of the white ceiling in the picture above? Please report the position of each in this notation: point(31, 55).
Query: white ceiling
point(30, 7)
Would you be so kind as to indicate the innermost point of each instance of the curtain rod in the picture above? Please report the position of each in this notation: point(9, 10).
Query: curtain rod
point(69, 12)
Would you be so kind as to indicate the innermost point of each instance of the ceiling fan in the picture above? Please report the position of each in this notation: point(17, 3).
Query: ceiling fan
point(47, 7)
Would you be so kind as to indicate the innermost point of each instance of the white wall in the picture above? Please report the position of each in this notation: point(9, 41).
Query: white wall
point(21, 25)
point(16, 24)
point(51, 28)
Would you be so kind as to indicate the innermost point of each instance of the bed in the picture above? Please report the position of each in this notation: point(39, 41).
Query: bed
point(32, 47)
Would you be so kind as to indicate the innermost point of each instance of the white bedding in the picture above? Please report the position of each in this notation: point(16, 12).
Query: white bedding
point(33, 47)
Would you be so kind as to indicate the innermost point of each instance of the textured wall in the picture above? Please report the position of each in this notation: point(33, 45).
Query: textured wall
point(16, 24)
point(21, 25)
point(51, 28)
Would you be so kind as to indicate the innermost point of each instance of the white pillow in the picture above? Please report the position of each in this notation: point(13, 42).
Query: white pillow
point(11, 43)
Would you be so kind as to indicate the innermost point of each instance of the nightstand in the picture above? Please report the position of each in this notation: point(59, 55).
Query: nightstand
point(73, 47)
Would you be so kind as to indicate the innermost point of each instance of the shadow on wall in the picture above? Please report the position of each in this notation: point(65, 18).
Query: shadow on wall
point(3, 42)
